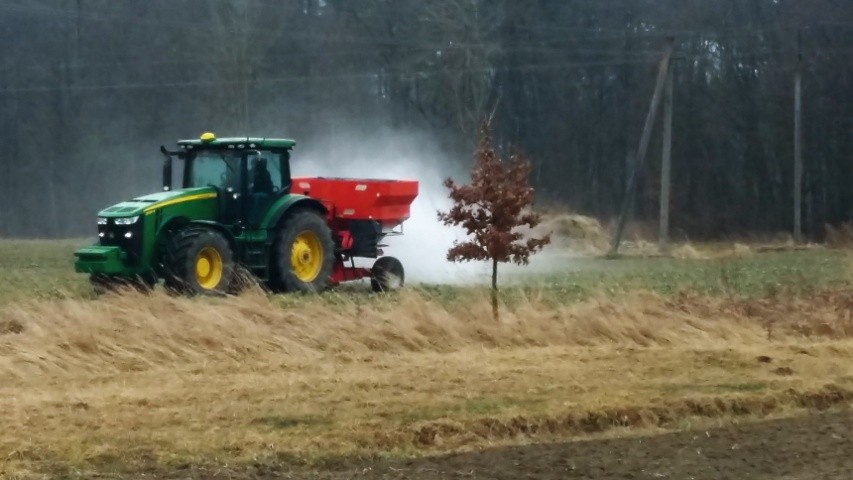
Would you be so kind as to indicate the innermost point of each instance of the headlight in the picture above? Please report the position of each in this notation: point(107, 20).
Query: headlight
point(102, 221)
point(126, 220)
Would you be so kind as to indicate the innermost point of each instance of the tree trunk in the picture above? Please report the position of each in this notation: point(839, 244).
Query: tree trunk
point(495, 289)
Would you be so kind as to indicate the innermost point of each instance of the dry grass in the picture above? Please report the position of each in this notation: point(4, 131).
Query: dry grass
point(587, 236)
point(132, 332)
point(840, 236)
point(132, 382)
point(578, 233)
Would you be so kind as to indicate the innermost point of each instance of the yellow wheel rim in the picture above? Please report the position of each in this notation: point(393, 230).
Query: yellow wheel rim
point(306, 256)
point(208, 268)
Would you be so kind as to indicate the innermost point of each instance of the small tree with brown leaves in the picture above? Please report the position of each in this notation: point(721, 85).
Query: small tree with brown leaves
point(491, 209)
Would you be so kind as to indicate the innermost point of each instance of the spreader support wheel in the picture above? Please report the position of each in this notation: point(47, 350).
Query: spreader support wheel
point(387, 275)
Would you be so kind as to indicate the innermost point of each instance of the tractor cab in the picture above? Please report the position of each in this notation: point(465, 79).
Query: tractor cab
point(249, 174)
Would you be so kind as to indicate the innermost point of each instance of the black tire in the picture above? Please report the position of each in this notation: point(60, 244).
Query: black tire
point(184, 250)
point(387, 275)
point(301, 222)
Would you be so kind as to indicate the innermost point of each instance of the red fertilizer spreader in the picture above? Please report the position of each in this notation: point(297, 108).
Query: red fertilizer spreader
point(361, 214)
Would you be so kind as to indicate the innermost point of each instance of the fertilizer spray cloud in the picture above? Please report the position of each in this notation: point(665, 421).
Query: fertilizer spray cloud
point(390, 154)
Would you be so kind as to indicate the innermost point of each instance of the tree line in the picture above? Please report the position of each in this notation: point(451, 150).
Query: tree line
point(90, 88)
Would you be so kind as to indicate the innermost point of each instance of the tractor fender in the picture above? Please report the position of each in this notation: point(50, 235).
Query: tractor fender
point(232, 242)
point(281, 209)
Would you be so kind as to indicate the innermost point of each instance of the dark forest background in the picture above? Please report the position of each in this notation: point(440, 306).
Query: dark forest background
point(89, 89)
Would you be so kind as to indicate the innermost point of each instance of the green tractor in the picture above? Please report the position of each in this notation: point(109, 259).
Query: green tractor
point(238, 209)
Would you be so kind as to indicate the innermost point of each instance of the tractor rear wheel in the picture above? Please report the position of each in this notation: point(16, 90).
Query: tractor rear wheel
point(198, 261)
point(305, 253)
point(387, 275)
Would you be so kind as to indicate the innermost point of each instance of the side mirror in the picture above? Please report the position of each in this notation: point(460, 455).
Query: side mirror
point(167, 174)
point(167, 169)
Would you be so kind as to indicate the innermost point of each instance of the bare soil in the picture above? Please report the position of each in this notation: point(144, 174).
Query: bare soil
point(813, 447)
point(819, 446)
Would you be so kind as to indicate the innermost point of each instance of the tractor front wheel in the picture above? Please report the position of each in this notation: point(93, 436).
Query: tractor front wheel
point(305, 253)
point(387, 275)
point(198, 261)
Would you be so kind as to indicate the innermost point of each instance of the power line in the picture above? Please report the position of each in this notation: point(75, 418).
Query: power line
point(195, 60)
point(639, 60)
point(297, 78)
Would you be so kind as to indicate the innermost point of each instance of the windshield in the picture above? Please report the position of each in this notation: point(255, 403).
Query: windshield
point(216, 169)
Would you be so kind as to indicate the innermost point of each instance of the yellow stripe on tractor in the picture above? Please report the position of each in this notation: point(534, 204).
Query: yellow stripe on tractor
point(188, 198)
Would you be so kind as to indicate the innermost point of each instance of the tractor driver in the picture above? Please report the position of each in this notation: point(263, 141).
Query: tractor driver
point(261, 188)
point(261, 178)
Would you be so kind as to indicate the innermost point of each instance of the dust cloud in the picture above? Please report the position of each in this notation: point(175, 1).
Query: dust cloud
point(389, 153)
point(392, 154)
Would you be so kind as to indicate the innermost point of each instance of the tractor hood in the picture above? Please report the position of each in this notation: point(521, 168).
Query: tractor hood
point(148, 203)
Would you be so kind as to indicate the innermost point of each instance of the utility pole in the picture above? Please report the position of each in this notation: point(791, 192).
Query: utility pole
point(640, 159)
point(666, 166)
point(798, 142)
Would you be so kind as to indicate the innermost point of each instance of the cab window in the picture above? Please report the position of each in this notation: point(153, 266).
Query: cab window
point(215, 169)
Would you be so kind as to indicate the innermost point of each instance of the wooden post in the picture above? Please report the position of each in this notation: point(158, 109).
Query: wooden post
point(798, 144)
point(639, 160)
point(666, 167)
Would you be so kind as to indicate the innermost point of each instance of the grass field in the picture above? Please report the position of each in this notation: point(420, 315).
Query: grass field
point(134, 383)
point(43, 269)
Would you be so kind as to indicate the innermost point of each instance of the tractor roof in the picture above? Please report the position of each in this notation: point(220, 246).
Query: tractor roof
point(210, 141)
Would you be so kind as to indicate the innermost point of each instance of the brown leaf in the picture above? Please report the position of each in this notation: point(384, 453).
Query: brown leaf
point(492, 206)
